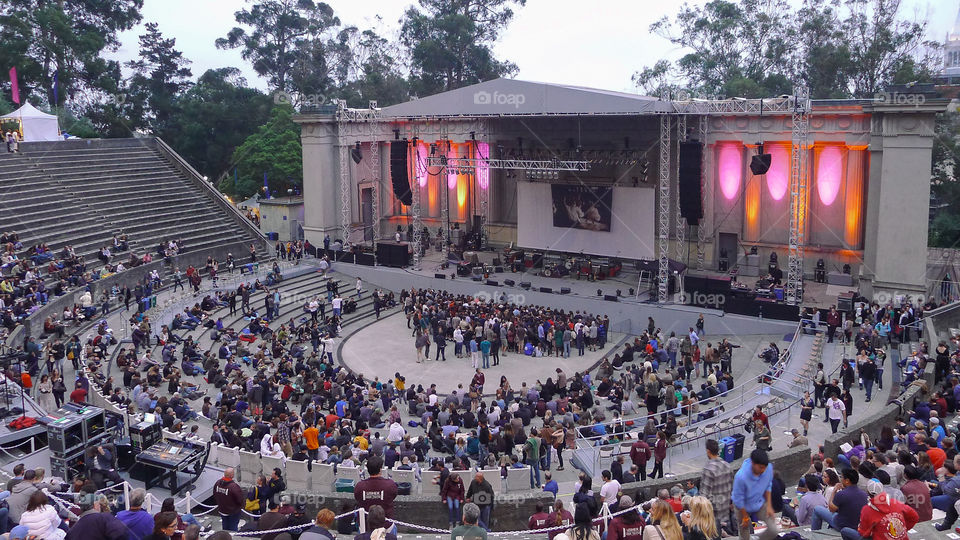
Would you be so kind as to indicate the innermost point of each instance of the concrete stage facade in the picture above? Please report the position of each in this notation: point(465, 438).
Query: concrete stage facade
point(867, 196)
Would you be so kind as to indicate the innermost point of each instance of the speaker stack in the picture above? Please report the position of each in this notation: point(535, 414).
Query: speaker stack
point(509, 282)
point(398, 172)
point(691, 203)
point(546, 289)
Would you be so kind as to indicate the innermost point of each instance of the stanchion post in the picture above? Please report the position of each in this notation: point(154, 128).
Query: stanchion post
point(362, 520)
point(126, 495)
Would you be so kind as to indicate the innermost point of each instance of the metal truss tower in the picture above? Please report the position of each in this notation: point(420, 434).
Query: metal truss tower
point(663, 215)
point(799, 173)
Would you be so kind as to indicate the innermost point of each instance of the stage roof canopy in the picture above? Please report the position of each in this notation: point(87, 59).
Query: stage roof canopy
point(510, 97)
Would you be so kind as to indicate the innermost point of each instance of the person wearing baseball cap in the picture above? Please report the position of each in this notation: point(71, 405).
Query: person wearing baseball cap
point(882, 517)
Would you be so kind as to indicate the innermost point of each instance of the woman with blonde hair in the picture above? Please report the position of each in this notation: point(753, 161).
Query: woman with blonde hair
point(699, 522)
point(663, 523)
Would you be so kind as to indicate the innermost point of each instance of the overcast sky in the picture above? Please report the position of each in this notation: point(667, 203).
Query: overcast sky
point(598, 44)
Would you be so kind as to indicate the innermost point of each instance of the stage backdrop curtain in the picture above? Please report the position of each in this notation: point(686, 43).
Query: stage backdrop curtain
point(631, 232)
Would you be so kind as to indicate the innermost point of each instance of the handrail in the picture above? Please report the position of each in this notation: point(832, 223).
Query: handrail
point(217, 196)
point(743, 392)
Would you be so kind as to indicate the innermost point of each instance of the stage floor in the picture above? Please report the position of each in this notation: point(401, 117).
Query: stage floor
point(387, 347)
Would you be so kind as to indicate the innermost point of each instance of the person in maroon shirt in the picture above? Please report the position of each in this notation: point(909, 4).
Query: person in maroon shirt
point(917, 493)
point(79, 395)
point(539, 518)
point(640, 455)
point(376, 490)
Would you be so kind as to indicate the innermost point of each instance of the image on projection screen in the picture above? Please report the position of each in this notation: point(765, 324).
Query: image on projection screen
point(582, 207)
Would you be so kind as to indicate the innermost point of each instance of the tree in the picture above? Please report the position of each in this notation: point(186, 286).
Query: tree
point(160, 76)
point(759, 48)
point(284, 33)
point(658, 80)
point(945, 183)
point(43, 38)
point(737, 48)
point(450, 42)
point(881, 43)
point(364, 69)
point(274, 149)
point(213, 118)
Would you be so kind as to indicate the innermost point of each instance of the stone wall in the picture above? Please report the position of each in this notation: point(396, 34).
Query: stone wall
point(511, 512)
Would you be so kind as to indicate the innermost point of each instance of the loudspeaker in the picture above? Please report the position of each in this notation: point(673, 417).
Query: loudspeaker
point(440, 276)
point(525, 284)
point(398, 172)
point(493, 283)
point(610, 297)
point(760, 163)
point(498, 269)
point(564, 290)
point(509, 282)
point(546, 290)
point(691, 203)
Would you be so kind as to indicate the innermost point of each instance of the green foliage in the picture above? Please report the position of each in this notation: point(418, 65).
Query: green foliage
point(40, 38)
point(274, 149)
point(450, 42)
point(76, 126)
point(945, 183)
point(759, 48)
point(5, 106)
point(215, 116)
point(284, 41)
point(160, 76)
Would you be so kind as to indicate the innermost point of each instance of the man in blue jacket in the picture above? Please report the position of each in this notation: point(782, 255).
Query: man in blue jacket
point(751, 495)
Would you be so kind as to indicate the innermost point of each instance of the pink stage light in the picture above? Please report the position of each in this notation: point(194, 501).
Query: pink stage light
point(451, 171)
point(778, 177)
point(421, 165)
point(483, 166)
point(731, 169)
point(829, 174)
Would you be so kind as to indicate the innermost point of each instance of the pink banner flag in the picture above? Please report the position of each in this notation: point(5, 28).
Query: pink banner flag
point(14, 87)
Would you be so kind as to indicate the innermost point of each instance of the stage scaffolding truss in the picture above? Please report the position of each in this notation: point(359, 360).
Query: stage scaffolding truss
point(799, 172)
point(367, 131)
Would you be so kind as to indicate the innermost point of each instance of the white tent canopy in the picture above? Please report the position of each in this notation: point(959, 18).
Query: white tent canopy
point(36, 124)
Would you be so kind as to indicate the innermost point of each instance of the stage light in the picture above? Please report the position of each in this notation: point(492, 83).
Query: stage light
point(433, 149)
point(355, 153)
point(599, 292)
point(829, 174)
point(730, 170)
point(778, 177)
point(760, 163)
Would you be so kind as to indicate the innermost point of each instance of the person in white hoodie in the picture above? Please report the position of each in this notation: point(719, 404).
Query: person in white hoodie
point(42, 518)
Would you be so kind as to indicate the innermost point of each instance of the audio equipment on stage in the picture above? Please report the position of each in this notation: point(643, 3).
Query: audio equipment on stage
point(525, 284)
point(440, 276)
point(493, 283)
point(691, 202)
point(398, 172)
point(509, 282)
point(498, 269)
point(476, 278)
point(610, 297)
point(144, 435)
point(564, 290)
point(546, 289)
point(164, 460)
point(396, 255)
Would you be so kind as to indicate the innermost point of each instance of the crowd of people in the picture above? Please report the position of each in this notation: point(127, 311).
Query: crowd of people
point(278, 391)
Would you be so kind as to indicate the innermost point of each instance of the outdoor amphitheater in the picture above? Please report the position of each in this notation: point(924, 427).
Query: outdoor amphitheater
point(501, 308)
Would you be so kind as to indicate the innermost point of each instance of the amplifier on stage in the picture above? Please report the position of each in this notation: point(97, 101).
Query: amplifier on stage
point(67, 466)
point(65, 435)
point(144, 435)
